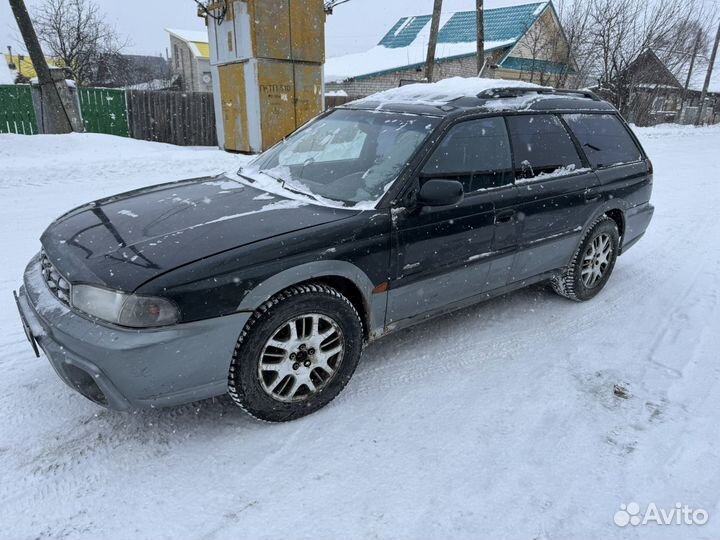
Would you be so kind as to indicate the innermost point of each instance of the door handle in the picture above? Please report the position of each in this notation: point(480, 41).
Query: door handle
point(592, 197)
point(507, 216)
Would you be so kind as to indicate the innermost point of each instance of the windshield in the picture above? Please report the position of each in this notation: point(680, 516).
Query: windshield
point(349, 156)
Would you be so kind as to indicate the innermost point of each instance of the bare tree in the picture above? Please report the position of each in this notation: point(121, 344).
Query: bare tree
point(627, 29)
point(75, 32)
point(543, 48)
point(609, 40)
point(579, 56)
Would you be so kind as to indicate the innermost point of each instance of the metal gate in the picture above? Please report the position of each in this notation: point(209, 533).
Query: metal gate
point(104, 111)
point(16, 110)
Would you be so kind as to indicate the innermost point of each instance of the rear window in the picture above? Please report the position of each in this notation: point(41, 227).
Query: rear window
point(542, 147)
point(605, 140)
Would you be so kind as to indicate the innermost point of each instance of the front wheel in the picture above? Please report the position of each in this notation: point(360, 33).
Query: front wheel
point(296, 353)
point(592, 264)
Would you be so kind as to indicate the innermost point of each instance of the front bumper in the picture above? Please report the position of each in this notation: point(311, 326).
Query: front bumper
point(123, 368)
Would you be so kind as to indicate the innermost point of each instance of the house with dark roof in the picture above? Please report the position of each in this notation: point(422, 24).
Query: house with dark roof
point(665, 87)
point(522, 42)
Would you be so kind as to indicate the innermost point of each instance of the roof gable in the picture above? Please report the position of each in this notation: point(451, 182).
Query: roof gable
point(197, 36)
point(197, 41)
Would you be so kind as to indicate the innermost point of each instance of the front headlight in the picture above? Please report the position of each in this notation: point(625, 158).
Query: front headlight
point(124, 309)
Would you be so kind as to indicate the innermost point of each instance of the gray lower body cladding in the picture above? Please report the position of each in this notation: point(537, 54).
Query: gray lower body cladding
point(124, 368)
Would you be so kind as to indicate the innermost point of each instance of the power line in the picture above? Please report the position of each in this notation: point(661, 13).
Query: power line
point(219, 18)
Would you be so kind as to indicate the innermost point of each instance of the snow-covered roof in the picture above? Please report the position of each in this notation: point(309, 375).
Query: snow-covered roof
point(189, 35)
point(406, 42)
point(197, 40)
point(442, 92)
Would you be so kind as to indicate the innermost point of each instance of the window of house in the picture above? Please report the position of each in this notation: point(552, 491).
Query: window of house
point(176, 56)
point(476, 153)
point(604, 139)
point(542, 147)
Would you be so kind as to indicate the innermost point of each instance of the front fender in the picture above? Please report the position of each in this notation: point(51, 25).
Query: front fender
point(316, 270)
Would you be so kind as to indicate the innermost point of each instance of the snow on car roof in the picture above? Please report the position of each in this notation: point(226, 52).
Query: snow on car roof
point(443, 92)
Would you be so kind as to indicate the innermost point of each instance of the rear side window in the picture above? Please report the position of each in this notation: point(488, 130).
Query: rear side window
point(604, 139)
point(476, 153)
point(542, 147)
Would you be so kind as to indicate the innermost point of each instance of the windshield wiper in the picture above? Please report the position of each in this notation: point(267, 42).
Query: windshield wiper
point(295, 190)
point(241, 175)
point(298, 191)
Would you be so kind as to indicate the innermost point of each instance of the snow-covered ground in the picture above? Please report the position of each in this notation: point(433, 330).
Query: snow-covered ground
point(499, 421)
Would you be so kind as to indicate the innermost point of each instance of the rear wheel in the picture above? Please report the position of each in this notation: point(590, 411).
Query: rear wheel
point(592, 264)
point(296, 353)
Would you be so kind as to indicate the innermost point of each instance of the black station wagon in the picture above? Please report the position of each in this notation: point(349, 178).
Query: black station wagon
point(266, 284)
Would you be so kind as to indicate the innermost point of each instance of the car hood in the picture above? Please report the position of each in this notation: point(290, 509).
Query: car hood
point(126, 240)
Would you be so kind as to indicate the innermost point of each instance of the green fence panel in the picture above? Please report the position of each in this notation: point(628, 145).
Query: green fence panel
point(16, 110)
point(104, 110)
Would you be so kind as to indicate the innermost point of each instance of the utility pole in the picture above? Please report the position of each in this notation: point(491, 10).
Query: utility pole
point(432, 45)
point(696, 49)
point(55, 114)
point(480, 37)
point(708, 77)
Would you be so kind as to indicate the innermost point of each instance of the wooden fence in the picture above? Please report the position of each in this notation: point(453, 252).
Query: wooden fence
point(16, 110)
point(182, 118)
point(104, 110)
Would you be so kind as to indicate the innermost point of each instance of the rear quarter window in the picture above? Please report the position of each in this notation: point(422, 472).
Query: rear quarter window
point(604, 139)
point(542, 147)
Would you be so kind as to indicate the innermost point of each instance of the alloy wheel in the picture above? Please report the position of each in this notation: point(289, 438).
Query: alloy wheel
point(596, 260)
point(301, 358)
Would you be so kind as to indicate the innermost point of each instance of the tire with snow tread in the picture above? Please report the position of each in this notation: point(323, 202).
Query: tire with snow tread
point(244, 384)
point(569, 282)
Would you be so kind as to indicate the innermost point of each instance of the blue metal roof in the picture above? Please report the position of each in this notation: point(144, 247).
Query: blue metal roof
point(405, 31)
point(501, 24)
point(529, 65)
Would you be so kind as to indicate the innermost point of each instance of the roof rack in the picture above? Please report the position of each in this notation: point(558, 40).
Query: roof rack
point(511, 92)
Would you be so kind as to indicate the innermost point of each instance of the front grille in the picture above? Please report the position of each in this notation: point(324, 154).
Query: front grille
point(59, 286)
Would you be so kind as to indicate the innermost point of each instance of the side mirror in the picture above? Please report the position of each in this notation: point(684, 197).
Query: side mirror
point(441, 193)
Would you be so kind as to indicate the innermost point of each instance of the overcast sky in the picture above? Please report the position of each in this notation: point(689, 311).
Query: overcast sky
point(355, 26)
